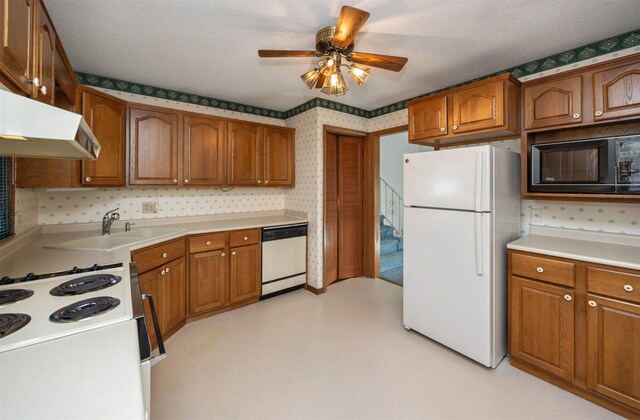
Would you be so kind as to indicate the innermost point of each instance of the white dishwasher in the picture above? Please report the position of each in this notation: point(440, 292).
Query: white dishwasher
point(284, 259)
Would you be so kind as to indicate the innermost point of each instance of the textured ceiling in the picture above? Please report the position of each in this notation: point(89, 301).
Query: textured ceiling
point(209, 47)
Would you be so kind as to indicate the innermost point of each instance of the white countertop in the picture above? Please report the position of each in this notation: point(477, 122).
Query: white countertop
point(582, 246)
point(30, 256)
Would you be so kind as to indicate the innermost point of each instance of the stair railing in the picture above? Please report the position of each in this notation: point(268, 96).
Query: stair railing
point(391, 207)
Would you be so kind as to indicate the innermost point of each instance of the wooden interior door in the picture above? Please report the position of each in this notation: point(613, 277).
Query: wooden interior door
point(349, 168)
point(244, 154)
point(204, 159)
point(557, 102)
point(613, 349)
point(331, 210)
point(16, 23)
point(107, 118)
point(45, 59)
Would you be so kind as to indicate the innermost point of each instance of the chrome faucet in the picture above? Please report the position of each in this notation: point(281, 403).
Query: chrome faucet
point(109, 217)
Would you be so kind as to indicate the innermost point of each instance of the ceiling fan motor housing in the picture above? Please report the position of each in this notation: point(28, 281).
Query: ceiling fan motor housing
point(324, 44)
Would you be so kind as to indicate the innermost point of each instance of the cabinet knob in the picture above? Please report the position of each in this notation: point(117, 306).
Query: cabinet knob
point(88, 179)
point(567, 298)
point(266, 181)
point(208, 243)
point(222, 255)
point(455, 127)
point(592, 303)
point(175, 181)
point(246, 238)
point(598, 113)
point(442, 129)
point(167, 269)
point(186, 181)
point(540, 269)
point(163, 272)
point(233, 253)
point(259, 182)
point(43, 90)
point(628, 288)
point(576, 116)
point(35, 82)
point(165, 255)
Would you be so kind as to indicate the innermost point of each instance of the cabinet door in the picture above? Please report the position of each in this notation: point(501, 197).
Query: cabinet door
point(542, 325)
point(244, 154)
point(558, 102)
point(478, 108)
point(208, 281)
point(106, 117)
point(428, 119)
point(613, 345)
point(150, 285)
point(204, 142)
point(244, 273)
point(174, 286)
point(45, 57)
point(153, 147)
point(616, 92)
point(279, 157)
point(16, 50)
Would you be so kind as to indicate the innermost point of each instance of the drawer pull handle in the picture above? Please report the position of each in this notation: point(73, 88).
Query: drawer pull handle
point(245, 238)
point(165, 255)
point(628, 288)
point(568, 298)
point(592, 303)
point(233, 253)
point(540, 269)
point(208, 243)
point(163, 272)
point(222, 255)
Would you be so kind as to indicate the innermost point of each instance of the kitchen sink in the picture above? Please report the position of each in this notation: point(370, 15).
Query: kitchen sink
point(114, 241)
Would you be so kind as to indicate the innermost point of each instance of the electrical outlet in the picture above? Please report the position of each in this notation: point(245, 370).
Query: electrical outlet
point(536, 215)
point(149, 207)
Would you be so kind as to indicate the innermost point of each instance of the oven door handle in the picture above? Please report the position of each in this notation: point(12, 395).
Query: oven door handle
point(156, 327)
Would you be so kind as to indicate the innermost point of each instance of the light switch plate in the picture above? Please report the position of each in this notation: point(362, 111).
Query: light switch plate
point(536, 215)
point(149, 207)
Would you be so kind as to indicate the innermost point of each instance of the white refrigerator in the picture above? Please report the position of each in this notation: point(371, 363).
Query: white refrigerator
point(461, 208)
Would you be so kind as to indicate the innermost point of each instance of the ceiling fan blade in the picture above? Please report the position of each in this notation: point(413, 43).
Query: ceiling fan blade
point(387, 62)
point(320, 81)
point(286, 53)
point(349, 23)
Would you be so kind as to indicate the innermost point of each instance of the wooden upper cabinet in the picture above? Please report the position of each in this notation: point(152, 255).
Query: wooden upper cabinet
point(45, 48)
point(616, 92)
point(428, 119)
point(542, 325)
point(279, 156)
point(153, 147)
point(244, 154)
point(204, 147)
point(106, 116)
point(613, 349)
point(66, 81)
point(16, 50)
point(556, 102)
point(478, 108)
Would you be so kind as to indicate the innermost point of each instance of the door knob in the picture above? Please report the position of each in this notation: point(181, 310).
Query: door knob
point(567, 298)
point(186, 181)
point(442, 129)
point(576, 116)
point(43, 89)
point(598, 113)
point(88, 179)
point(592, 303)
point(175, 181)
point(455, 127)
point(222, 255)
point(233, 253)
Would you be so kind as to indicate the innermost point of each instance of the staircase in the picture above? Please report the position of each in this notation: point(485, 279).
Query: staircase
point(390, 253)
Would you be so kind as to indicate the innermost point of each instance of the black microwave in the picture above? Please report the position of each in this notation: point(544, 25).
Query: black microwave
point(600, 166)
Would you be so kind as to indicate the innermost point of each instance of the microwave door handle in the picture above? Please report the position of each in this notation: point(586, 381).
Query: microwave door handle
point(156, 327)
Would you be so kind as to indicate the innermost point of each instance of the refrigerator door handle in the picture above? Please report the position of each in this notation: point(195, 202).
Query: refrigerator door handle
point(479, 175)
point(479, 267)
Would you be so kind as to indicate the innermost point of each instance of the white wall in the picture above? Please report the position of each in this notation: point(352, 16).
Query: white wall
point(392, 148)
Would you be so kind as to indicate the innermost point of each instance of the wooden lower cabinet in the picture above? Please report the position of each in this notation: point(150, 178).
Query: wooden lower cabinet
point(244, 273)
point(208, 273)
point(542, 325)
point(584, 338)
point(174, 290)
point(150, 285)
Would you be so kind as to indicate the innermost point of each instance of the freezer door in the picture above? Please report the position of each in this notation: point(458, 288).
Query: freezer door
point(449, 179)
point(448, 280)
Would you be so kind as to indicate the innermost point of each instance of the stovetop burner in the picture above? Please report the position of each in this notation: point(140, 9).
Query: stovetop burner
point(13, 295)
point(85, 284)
point(84, 309)
point(10, 323)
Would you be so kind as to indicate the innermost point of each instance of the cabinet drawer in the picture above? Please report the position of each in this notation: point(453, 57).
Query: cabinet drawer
point(244, 237)
point(614, 283)
point(155, 256)
point(542, 268)
point(207, 242)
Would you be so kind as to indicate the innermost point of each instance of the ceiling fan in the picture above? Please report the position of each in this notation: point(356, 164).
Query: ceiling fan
point(335, 44)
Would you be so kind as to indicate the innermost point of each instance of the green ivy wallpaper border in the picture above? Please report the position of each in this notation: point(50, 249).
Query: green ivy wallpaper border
point(585, 52)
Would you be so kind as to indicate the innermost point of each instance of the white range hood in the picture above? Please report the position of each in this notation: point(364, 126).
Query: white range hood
point(29, 128)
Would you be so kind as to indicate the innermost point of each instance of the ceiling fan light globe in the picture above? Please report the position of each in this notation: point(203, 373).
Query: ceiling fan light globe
point(311, 77)
point(359, 73)
point(335, 85)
